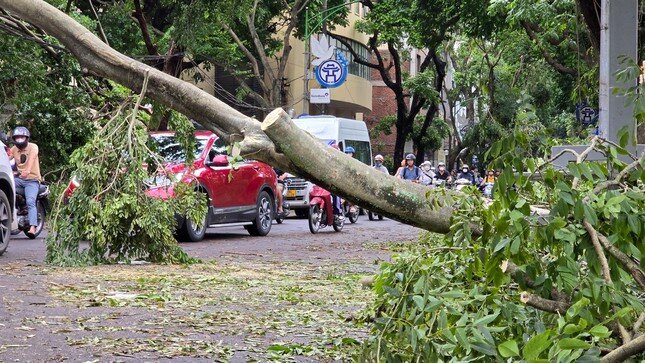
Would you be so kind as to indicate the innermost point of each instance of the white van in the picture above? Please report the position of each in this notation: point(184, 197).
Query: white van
point(344, 132)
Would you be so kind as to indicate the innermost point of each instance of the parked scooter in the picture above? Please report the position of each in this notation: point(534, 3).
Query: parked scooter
point(461, 183)
point(321, 211)
point(487, 189)
point(21, 210)
point(280, 217)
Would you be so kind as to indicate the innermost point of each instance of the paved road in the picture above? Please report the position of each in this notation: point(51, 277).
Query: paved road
point(285, 241)
point(35, 326)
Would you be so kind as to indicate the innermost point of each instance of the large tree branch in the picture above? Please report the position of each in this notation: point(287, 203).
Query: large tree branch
point(143, 25)
point(604, 265)
point(625, 260)
point(249, 56)
point(356, 58)
point(303, 155)
point(550, 306)
point(545, 53)
point(259, 47)
point(625, 351)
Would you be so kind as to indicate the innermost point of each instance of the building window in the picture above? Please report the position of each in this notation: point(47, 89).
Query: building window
point(362, 51)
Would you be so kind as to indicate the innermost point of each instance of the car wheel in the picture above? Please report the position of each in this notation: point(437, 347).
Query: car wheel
point(5, 222)
point(262, 222)
point(302, 213)
point(193, 231)
point(315, 216)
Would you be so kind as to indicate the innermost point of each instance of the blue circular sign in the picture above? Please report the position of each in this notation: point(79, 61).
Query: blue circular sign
point(331, 73)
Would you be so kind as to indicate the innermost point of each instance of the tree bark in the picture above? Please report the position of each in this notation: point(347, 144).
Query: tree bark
point(625, 351)
point(283, 145)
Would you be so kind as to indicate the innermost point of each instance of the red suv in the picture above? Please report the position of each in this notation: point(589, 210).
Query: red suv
point(242, 195)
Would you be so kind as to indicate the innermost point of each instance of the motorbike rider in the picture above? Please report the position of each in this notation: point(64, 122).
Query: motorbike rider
point(28, 177)
point(442, 172)
point(349, 151)
point(281, 176)
point(489, 178)
point(466, 174)
point(426, 173)
point(410, 171)
point(378, 164)
point(335, 199)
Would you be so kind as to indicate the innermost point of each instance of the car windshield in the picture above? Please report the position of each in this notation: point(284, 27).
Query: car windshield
point(172, 152)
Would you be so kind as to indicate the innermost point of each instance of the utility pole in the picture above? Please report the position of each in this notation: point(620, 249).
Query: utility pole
point(305, 78)
point(323, 107)
point(618, 37)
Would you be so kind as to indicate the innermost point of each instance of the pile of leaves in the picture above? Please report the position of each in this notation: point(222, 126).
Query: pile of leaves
point(550, 270)
point(110, 208)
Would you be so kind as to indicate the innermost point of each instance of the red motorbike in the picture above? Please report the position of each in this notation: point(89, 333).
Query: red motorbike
point(321, 211)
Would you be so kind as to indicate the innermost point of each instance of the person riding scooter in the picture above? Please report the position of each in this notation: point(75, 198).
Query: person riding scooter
point(28, 177)
point(467, 174)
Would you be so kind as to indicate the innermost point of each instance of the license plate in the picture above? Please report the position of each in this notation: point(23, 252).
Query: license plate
point(291, 193)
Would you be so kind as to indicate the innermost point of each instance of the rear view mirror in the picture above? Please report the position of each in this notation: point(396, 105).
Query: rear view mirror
point(218, 160)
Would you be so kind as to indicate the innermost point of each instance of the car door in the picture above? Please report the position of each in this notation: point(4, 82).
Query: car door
point(216, 180)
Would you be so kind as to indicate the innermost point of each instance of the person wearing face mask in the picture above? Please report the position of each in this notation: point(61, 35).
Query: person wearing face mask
point(466, 174)
point(378, 164)
point(426, 173)
point(442, 173)
point(28, 177)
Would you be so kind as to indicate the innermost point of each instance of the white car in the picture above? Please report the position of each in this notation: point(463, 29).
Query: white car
point(7, 201)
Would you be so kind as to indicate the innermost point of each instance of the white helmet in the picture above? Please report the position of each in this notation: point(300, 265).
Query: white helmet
point(378, 157)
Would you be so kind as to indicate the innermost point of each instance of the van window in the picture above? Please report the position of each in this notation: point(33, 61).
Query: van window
point(363, 151)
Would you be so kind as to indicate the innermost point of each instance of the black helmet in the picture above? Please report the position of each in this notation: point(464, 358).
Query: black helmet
point(20, 131)
point(410, 157)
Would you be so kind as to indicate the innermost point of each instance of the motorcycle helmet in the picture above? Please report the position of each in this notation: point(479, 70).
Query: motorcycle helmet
point(378, 157)
point(410, 157)
point(20, 137)
point(349, 150)
point(441, 163)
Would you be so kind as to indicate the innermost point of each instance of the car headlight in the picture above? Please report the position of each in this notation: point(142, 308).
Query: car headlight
point(164, 180)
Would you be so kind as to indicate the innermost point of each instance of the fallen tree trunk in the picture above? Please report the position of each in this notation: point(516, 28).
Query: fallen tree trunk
point(283, 145)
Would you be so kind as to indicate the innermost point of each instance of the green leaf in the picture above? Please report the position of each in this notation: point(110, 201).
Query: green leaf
point(623, 136)
point(486, 319)
point(501, 244)
point(573, 343)
point(634, 223)
point(515, 246)
point(600, 331)
point(590, 215)
point(509, 349)
point(536, 345)
point(418, 299)
point(566, 197)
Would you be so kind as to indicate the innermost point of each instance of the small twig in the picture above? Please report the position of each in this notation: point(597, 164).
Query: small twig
point(98, 21)
point(632, 156)
point(582, 156)
point(593, 234)
point(637, 324)
point(623, 173)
